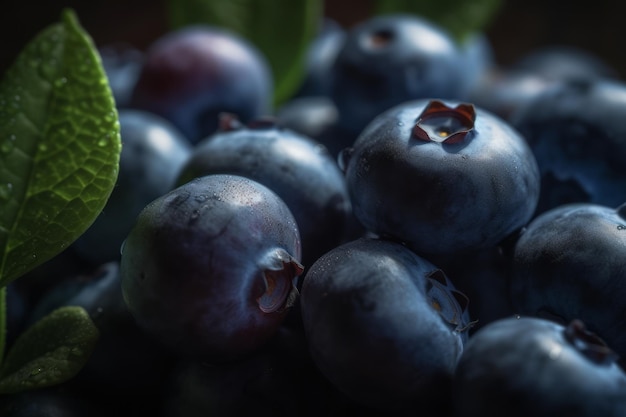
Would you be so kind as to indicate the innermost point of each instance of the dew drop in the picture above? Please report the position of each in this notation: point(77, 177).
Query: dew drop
point(110, 117)
point(621, 227)
point(36, 371)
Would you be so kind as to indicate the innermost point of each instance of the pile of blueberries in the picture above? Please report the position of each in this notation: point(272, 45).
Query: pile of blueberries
point(418, 231)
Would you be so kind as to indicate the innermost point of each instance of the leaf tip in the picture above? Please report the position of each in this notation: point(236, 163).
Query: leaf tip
point(69, 17)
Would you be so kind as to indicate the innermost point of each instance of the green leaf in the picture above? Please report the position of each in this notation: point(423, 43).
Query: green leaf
point(50, 352)
point(281, 29)
point(459, 17)
point(59, 146)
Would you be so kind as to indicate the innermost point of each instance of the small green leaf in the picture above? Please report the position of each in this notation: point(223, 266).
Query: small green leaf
point(59, 146)
point(459, 17)
point(281, 29)
point(50, 352)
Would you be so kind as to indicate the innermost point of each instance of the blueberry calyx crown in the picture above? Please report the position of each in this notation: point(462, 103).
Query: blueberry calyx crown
point(279, 292)
point(444, 124)
point(452, 305)
point(588, 343)
point(379, 39)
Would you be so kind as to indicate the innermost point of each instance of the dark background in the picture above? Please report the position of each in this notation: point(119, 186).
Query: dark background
point(518, 28)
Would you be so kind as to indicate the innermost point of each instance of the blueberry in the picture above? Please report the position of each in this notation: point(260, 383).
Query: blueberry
point(320, 57)
point(478, 59)
point(153, 153)
point(389, 59)
point(297, 168)
point(122, 63)
point(569, 263)
point(209, 268)
point(502, 92)
point(317, 118)
point(504, 89)
point(564, 62)
point(533, 367)
point(442, 177)
point(124, 359)
point(578, 135)
point(192, 74)
point(311, 116)
point(384, 325)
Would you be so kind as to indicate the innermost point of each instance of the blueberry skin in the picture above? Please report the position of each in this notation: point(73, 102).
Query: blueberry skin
point(318, 118)
point(209, 268)
point(192, 74)
point(503, 92)
point(153, 153)
point(561, 62)
point(479, 60)
point(297, 168)
point(122, 63)
point(569, 263)
point(578, 135)
point(383, 325)
point(320, 57)
point(440, 197)
point(389, 59)
point(533, 367)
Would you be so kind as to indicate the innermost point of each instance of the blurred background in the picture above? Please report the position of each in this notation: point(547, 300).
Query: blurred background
point(518, 27)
